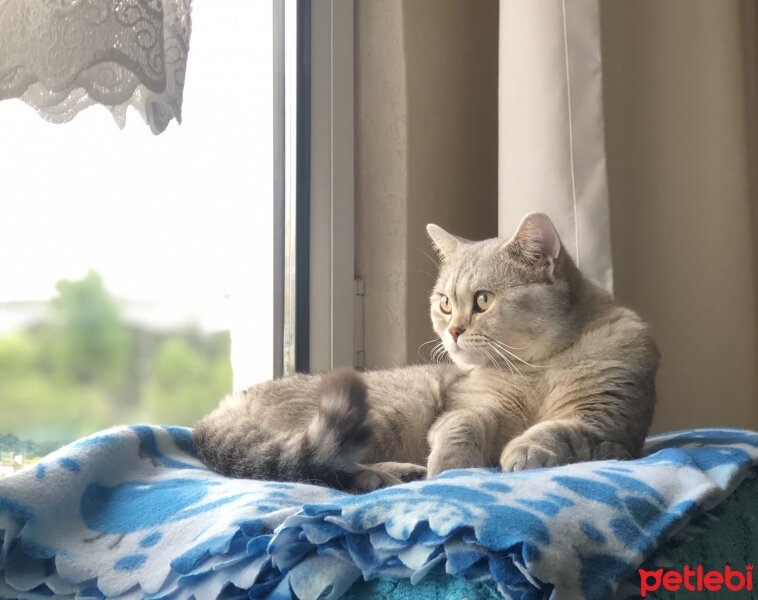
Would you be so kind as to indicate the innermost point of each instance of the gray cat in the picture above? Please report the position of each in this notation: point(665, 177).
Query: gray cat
point(546, 370)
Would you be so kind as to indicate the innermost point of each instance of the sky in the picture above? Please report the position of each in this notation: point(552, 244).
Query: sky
point(179, 215)
point(186, 215)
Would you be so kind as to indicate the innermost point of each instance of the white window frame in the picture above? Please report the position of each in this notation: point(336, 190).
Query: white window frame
point(331, 260)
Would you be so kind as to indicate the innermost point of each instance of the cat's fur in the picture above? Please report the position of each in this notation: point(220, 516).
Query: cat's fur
point(551, 372)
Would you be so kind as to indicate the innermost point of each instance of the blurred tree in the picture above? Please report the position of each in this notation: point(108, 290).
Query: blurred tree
point(89, 340)
point(85, 369)
point(34, 406)
point(18, 352)
point(185, 384)
point(13, 444)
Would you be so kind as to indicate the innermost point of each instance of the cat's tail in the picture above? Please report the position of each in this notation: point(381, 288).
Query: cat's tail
point(326, 452)
point(336, 438)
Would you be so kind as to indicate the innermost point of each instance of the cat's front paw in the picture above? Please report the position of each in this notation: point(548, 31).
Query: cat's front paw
point(528, 456)
point(378, 475)
point(439, 463)
point(445, 456)
point(405, 472)
point(546, 445)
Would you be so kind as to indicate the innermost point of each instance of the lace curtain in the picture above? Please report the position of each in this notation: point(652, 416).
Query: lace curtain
point(61, 56)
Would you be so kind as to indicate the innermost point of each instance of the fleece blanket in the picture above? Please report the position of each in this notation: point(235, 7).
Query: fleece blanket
point(130, 513)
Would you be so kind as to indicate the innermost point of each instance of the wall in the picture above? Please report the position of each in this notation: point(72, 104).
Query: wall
point(682, 208)
point(426, 151)
point(381, 178)
point(451, 62)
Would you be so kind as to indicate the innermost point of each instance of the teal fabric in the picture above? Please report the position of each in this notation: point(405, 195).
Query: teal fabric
point(726, 535)
point(438, 585)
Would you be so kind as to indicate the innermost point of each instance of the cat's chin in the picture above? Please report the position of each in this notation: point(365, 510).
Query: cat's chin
point(465, 359)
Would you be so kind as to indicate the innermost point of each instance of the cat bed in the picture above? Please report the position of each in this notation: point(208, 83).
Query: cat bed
point(130, 513)
point(727, 535)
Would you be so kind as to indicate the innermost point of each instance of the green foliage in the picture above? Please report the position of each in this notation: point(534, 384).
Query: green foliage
point(18, 352)
point(11, 445)
point(86, 370)
point(89, 340)
point(184, 383)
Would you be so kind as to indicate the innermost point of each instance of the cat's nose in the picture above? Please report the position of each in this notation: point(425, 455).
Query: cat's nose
point(455, 332)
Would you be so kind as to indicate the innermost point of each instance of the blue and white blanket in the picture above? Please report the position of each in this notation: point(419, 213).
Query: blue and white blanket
point(130, 513)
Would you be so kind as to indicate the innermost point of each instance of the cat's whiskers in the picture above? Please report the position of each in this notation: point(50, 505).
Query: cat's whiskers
point(509, 362)
point(434, 354)
point(432, 341)
point(481, 341)
point(519, 359)
point(504, 344)
point(435, 351)
point(494, 362)
point(504, 348)
point(438, 352)
point(528, 381)
point(499, 368)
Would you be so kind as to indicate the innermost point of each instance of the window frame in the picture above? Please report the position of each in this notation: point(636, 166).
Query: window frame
point(314, 187)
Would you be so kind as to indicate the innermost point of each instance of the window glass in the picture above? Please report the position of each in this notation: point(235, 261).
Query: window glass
point(136, 270)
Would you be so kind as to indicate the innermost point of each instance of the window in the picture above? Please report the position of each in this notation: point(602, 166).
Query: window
point(136, 271)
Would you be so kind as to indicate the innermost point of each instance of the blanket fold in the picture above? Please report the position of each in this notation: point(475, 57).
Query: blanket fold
point(130, 513)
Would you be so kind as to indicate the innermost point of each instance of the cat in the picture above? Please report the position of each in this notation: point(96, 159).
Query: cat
point(546, 370)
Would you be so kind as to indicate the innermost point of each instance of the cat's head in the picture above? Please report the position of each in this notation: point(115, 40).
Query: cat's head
point(499, 298)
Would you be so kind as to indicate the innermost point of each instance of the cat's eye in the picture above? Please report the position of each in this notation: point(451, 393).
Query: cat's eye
point(482, 301)
point(445, 305)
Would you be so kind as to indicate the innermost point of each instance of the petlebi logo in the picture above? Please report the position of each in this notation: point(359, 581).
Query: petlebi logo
point(697, 579)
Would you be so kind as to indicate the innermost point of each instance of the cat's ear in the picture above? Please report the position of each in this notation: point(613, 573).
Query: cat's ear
point(445, 243)
point(536, 241)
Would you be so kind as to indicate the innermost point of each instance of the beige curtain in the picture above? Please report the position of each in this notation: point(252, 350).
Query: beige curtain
point(551, 149)
point(680, 108)
point(676, 119)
